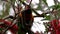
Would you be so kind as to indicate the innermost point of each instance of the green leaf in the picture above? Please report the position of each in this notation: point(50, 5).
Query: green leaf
point(6, 11)
point(55, 7)
point(46, 17)
point(45, 2)
point(39, 7)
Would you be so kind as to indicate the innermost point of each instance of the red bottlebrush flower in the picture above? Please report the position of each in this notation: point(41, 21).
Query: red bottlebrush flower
point(55, 24)
point(13, 29)
point(7, 23)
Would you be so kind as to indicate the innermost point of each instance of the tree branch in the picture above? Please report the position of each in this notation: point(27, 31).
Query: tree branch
point(55, 1)
point(30, 2)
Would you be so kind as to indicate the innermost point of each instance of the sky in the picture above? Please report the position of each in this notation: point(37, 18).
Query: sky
point(36, 20)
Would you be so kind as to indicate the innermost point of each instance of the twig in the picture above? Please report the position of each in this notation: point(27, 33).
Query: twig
point(13, 18)
point(22, 2)
point(31, 8)
point(55, 1)
point(9, 27)
point(30, 2)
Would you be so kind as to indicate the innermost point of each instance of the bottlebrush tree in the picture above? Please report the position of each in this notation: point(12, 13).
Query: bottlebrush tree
point(52, 26)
